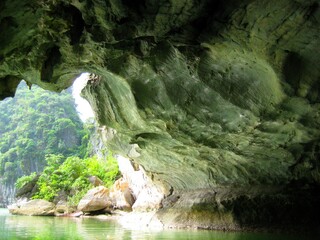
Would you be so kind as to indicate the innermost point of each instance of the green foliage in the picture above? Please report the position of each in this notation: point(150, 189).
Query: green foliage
point(34, 124)
point(72, 175)
point(24, 180)
point(40, 132)
point(112, 172)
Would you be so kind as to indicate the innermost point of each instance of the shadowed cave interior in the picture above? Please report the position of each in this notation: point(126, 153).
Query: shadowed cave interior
point(218, 101)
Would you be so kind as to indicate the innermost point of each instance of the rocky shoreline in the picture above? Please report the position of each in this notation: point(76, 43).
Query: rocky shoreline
point(133, 199)
point(136, 203)
point(97, 200)
point(240, 211)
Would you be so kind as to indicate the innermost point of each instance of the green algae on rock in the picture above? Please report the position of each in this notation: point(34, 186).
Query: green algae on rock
point(207, 96)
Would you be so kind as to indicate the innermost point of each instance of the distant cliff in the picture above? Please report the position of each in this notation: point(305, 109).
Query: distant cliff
point(33, 124)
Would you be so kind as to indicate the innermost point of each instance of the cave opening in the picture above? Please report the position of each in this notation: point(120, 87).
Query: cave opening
point(82, 105)
point(47, 155)
point(42, 130)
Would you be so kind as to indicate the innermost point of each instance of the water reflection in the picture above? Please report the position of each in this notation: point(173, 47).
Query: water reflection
point(24, 227)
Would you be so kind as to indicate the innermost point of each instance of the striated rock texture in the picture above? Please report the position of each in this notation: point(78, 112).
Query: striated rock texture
point(218, 101)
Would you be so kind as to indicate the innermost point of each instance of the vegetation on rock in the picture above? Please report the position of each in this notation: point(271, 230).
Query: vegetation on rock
point(69, 177)
point(41, 133)
point(36, 123)
point(22, 181)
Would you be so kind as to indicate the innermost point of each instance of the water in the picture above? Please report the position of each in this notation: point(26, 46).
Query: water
point(43, 228)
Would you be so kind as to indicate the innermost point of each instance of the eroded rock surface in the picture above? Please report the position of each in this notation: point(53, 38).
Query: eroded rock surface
point(209, 97)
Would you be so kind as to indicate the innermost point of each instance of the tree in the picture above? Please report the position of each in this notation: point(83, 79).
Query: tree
point(35, 123)
point(70, 176)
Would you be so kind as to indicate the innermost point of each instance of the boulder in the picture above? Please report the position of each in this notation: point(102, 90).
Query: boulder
point(96, 199)
point(37, 207)
point(120, 195)
point(146, 194)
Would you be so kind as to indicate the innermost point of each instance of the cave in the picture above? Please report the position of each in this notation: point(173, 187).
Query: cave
point(217, 101)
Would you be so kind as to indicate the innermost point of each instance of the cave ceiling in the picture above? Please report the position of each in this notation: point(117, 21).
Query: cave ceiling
point(200, 93)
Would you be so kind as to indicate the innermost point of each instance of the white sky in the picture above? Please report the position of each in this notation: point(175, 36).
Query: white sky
point(83, 107)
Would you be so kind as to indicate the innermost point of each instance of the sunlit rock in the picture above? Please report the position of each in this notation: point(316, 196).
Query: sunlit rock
point(120, 193)
point(119, 196)
point(37, 207)
point(95, 199)
point(146, 194)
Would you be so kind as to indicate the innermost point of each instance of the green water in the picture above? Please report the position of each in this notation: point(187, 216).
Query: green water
point(42, 228)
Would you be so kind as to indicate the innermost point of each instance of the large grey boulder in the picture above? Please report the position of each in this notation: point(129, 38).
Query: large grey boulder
point(37, 207)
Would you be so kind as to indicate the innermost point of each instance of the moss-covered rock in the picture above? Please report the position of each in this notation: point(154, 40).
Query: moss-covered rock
point(202, 94)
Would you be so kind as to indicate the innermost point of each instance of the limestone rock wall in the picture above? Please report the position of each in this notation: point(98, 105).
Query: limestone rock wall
point(202, 94)
point(7, 195)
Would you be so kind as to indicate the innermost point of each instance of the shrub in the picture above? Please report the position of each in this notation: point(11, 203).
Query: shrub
point(71, 176)
point(24, 180)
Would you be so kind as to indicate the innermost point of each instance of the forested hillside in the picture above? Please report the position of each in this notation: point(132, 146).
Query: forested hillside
point(33, 124)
